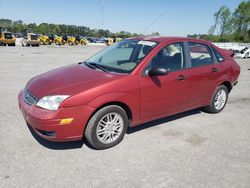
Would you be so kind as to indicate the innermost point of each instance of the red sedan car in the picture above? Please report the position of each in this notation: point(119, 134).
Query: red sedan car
point(131, 82)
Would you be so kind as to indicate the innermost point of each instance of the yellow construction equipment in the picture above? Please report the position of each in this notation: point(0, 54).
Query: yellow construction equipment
point(80, 40)
point(117, 39)
point(44, 40)
point(109, 41)
point(58, 40)
point(71, 40)
point(7, 38)
point(30, 39)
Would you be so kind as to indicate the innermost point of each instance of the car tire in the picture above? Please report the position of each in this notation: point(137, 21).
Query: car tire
point(218, 101)
point(247, 55)
point(107, 127)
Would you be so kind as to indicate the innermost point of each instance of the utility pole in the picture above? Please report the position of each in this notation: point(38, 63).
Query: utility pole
point(102, 11)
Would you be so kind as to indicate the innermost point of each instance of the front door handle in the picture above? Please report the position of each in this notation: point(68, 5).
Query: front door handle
point(214, 69)
point(181, 77)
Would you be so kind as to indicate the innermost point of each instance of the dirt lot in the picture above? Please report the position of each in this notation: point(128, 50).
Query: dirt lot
point(192, 149)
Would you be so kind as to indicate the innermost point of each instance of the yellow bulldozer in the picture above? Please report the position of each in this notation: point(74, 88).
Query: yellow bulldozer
point(7, 38)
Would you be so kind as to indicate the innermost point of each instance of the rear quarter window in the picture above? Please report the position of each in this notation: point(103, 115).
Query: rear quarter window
point(218, 56)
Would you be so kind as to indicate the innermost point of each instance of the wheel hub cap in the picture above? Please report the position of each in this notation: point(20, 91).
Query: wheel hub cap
point(109, 128)
point(220, 99)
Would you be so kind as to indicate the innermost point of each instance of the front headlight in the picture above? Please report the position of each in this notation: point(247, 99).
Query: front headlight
point(51, 102)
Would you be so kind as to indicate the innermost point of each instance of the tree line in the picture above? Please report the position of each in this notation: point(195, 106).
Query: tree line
point(229, 26)
point(60, 29)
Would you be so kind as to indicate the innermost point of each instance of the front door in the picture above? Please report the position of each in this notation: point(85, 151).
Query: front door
point(167, 94)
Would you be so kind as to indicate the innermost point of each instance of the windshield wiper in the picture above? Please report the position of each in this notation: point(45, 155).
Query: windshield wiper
point(88, 65)
point(98, 66)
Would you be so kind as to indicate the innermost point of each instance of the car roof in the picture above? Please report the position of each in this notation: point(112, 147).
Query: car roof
point(164, 39)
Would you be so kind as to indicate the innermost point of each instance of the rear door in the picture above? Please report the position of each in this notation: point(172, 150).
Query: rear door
point(204, 73)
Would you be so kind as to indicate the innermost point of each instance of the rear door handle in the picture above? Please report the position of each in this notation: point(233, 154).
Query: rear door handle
point(181, 77)
point(214, 69)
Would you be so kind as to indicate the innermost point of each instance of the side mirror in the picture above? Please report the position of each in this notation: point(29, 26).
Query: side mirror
point(157, 71)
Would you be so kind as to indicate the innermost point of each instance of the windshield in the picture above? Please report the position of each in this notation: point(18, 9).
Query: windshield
point(122, 57)
point(34, 37)
point(8, 35)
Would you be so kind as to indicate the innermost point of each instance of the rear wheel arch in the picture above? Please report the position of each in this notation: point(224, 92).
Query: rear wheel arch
point(228, 85)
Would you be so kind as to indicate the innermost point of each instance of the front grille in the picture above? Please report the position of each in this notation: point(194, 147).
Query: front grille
point(47, 133)
point(29, 98)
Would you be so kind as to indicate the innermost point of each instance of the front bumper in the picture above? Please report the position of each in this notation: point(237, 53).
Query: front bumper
point(238, 55)
point(46, 123)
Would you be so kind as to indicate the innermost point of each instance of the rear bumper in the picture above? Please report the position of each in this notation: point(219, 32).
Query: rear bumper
point(46, 123)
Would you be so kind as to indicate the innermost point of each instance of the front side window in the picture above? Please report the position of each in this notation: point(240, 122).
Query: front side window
point(200, 54)
point(122, 57)
point(171, 57)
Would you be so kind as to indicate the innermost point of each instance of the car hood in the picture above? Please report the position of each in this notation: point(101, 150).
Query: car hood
point(69, 80)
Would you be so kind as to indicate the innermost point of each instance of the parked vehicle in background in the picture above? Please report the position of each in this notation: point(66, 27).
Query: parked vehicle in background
point(91, 40)
point(117, 39)
point(80, 40)
point(30, 39)
point(7, 38)
point(71, 40)
point(109, 41)
point(58, 40)
point(131, 82)
point(242, 52)
point(44, 40)
point(17, 35)
point(64, 39)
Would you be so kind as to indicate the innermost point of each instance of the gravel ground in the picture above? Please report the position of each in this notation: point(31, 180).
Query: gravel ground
point(191, 149)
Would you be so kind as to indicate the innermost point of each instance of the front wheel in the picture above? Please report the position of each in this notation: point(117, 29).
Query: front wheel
point(247, 55)
point(107, 127)
point(218, 101)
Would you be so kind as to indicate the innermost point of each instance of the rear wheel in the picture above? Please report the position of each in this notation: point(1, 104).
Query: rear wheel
point(107, 127)
point(218, 101)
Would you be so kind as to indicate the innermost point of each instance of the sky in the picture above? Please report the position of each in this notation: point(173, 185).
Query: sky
point(168, 17)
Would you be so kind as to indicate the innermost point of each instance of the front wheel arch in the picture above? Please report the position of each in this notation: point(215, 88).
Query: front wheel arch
point(124, 106)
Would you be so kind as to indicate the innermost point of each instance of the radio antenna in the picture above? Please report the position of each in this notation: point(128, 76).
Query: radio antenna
point(152, 23)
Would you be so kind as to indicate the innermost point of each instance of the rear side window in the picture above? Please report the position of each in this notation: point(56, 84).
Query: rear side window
point(200, 54)
point(219, 57)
